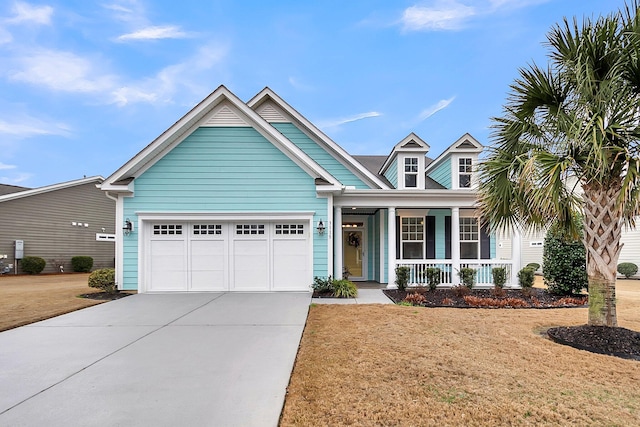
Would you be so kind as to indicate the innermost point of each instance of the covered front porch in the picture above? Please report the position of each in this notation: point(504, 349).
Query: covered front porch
point(371, 241)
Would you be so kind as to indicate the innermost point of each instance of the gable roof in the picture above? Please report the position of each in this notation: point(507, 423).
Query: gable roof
point(220, 106)
point(7, 189)
point(411, 143)
point(40, 190)
point(465, 144)
point(279, 110)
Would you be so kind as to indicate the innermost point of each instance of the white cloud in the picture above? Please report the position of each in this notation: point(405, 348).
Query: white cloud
point(24, 12)
point(5, 166)
point(5, 36)
point(20, 178)
point(338, 122)
point(27, 126)
point(297, 84)
point(61, 71)
point(431, 110)
point(443, 15)
point(155, 33)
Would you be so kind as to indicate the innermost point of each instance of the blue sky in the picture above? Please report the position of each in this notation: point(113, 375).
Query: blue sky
point(87, 84)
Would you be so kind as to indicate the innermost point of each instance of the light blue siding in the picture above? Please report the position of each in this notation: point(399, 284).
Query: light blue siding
point(319, 155)
point(442, 174)
point(440, 237)
point(232, 169)
point(392, 173)
point(492, 240)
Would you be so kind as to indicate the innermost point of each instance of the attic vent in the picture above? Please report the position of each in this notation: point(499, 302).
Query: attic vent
point(225, 116)
point(270, 113)
point(466, 144)
point(411, 144)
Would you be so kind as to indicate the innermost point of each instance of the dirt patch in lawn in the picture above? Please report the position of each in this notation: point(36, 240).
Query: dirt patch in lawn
point(26, 299)
point(391, 365)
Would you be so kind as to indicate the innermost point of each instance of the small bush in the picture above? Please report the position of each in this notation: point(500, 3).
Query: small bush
point(105, 279)
point(534, 265)
point(447, 301)
point(344, 289)
point(499, 276)
point(33, 264)
point(402, 277)
point(415, 298)
point(564, 262)
point(322, 284)
point(498, 292)
point(81, 264)
point(627, 269)
point(461, 291)
point(467, 276)
point(432, 277)
point(526, 276)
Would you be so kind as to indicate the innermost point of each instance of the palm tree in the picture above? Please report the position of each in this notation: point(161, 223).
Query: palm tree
point(568, 142)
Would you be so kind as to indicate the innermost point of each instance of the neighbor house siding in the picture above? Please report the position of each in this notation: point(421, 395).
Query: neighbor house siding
point(319, 155)
point(224, 169)
point(442, 174)
point(392, 173)
point(44, 220)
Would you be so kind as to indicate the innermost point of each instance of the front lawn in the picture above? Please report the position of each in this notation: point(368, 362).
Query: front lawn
point(394, 365)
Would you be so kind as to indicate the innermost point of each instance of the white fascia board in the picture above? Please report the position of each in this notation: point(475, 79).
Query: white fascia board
point(340, 154)
point(222, 216)
point(407, 198)
point(192, 120)
point(451, 149)
point(48, 188)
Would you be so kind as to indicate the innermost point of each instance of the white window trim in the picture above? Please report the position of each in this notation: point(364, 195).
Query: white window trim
point(402, 240)
point(462, 240)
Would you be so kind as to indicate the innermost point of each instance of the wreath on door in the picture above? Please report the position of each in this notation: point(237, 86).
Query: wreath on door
point(353, 239)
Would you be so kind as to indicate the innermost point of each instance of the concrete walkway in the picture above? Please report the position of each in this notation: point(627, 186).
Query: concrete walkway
point(365, 296)
point(219, 359)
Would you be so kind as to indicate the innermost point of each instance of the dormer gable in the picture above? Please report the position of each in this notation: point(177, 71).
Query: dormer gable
point(456, 166)
point(405, 164)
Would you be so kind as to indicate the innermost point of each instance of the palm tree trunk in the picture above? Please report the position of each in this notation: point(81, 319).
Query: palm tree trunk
point(602, 230)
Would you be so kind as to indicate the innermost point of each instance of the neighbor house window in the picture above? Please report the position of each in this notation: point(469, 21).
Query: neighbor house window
point(412, 238)
point(411, 172)
point(464, 168)
point(469, 238)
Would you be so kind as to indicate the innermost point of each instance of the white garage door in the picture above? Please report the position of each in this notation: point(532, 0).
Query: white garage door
point(228, 256)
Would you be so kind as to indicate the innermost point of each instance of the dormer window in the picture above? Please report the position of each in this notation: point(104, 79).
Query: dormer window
point(464, 169)
point(410, 172)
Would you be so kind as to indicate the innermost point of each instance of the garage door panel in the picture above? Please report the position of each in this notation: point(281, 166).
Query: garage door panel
point(251, 265)
point(290, 265)
point(208, 265)
point(168, 265)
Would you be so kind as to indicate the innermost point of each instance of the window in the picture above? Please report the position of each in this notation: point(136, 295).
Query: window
point(412, 238)
point(289, 229)
point(168, 229)
point(464, 168)
point(202, 229)
point(250, 229)
point(469, 238)
point(411, 172)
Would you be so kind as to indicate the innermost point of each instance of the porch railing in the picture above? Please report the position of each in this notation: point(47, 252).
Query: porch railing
point(449, 276)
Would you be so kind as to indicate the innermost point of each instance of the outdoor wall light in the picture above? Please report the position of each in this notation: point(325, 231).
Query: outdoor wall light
point(320, 228)
point(128, 227)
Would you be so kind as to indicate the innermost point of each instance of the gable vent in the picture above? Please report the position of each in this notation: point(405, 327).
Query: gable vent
point(411, 144)
point(225, 116)
point(270, 113)
point(466, 144)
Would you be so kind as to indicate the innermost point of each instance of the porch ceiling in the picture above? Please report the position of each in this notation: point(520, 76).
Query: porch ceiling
point(359, 211)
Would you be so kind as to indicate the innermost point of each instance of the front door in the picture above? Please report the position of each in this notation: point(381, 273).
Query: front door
point(353, 245)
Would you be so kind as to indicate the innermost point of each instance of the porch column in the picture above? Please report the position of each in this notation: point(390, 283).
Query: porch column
point(455, 245)
point(516, 255)
point(383, 237)
point(391, 248)
point(337, 242)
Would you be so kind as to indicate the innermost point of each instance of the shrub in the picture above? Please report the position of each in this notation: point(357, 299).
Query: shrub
point(564, 262)
point(627, 269)
point(415, 298)
point(81, 264)
point(534, 265)
point(526, 276)
point(467, 276)
point(105, 279)
point(344, 289)
point(402, 277)
point(460, 290)
point(322, 284)
point(498, 292)
point(499, 276)
point(33, 264)
point(432, 277)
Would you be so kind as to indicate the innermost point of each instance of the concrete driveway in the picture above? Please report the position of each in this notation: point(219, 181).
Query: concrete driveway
point(220, 359)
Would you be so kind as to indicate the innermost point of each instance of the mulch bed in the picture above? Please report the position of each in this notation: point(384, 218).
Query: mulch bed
point(486, 298)
point(105, 296)
point(620, 342)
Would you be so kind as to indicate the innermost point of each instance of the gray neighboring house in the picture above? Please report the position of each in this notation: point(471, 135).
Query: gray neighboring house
point(58, 222)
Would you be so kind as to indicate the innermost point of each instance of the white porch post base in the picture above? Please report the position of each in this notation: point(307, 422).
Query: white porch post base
point(391, 248)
